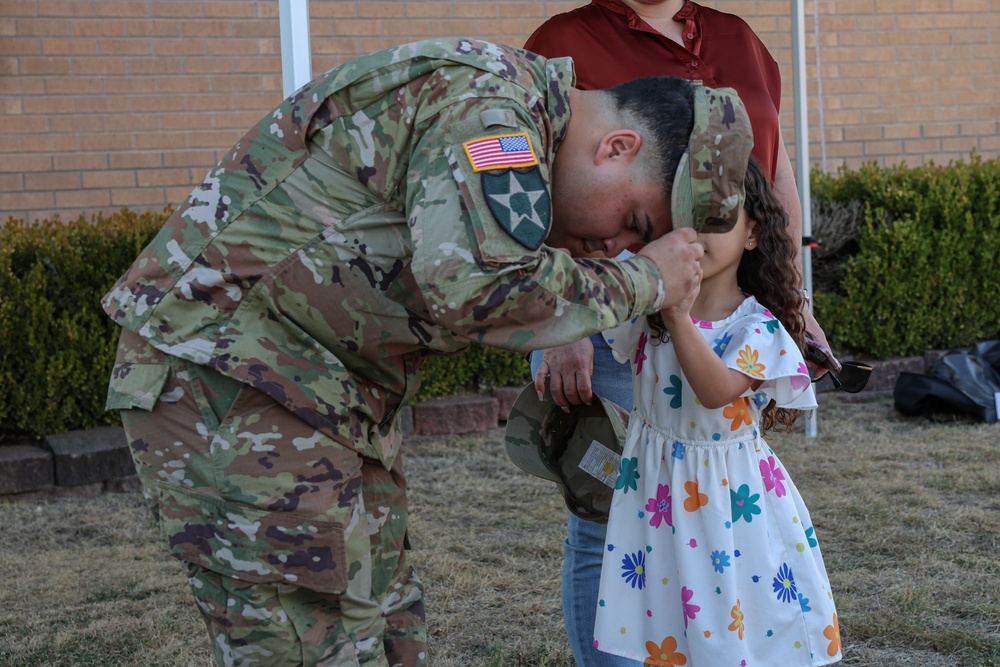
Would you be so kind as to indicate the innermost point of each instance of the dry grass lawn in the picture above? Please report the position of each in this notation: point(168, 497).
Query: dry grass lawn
point(907, 512)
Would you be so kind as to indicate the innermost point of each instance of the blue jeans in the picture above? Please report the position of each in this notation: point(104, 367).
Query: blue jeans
point(583, 549)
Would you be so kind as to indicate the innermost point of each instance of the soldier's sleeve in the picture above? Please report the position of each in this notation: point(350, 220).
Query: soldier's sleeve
point(478, 229)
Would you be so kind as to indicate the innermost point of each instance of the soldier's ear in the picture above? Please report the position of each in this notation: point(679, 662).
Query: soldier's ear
point(620, 144)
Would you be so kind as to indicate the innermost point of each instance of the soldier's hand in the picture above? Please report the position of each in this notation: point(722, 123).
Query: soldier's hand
point(676, 255)
point(568, 370)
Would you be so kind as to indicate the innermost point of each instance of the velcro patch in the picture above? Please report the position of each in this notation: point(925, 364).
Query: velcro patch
point(519, 200)
point(503, 151)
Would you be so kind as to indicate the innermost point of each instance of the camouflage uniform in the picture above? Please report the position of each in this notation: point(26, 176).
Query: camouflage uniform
point(275, 326)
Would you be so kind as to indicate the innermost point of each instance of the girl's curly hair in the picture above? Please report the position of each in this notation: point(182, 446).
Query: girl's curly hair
point(770, 273)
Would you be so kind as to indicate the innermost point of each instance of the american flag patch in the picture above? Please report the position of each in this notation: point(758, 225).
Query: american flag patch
point(508, 150)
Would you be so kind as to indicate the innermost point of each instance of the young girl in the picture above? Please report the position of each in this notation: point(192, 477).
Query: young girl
point(711, 559)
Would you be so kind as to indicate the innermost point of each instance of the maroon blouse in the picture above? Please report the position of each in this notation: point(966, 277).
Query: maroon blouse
point(611, 44)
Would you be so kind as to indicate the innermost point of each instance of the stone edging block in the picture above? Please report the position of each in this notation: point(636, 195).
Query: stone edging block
point(455, 415)
point(25, 468)
point(90, 455)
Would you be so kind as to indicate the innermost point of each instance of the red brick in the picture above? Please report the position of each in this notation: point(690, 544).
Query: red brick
point(177, 10)
point(64, 8)
point(135, 197)
point(72, 85)
point(156, 28)
point(232, 10)
point(428, 9)
point(121, 8)
point(25, 8)
point(111, 142)
point(80, 161)
point(162, 177)
point(25, 201)
point(135, 160)
point(192, 158)
point(382, 10)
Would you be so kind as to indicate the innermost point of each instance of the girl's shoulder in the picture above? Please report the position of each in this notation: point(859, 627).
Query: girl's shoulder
point(749, 313)
point(755, 326)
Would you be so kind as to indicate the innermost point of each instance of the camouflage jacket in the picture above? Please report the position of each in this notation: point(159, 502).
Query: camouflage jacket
point(347, 235)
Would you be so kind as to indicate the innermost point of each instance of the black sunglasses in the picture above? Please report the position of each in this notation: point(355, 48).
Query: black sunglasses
point(849, 376)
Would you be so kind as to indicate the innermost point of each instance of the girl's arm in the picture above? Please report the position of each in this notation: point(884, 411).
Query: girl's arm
point(715, 384)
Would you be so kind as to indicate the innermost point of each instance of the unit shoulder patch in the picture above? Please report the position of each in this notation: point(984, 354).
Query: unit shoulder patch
point(520, 203)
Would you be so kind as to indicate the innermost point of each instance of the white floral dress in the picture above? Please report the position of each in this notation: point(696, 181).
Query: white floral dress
point(711, 559)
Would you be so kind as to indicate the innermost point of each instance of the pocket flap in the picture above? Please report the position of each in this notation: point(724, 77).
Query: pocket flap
point(251, 544)
point(136, 385)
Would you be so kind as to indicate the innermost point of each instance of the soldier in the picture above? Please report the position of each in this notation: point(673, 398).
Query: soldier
point(403, 204)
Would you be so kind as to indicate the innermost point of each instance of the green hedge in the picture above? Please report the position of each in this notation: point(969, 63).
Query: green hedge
point(920, 274)
point(926, 274)
point(57, 345)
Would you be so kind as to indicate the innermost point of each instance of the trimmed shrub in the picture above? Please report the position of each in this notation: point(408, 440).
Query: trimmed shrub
point(56, 344)
point(925, 274)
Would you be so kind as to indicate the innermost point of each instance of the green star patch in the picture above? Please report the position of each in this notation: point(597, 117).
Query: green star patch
point(519, 200)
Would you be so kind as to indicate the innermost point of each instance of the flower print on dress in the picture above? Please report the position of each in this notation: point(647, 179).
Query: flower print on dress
point(744, 505)
point(739, 412)
point(749, 363)
point(695, 498)
point(722, 343)
point(720, 561)
point(674, 391)
point(832, 632)
point(690, 609)
point(677, 450)
point(634, 569)
point(737, 624)
point(773, 476)
point(640, 353)
point(804, 603)
point(772, 325)
point(784, 584)
point(660, 507)
point(802, 379)
point(627, 475)
point(664, 655)
point(810, 532)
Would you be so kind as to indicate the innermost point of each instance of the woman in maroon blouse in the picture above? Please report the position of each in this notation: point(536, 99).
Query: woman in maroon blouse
point(612, 41)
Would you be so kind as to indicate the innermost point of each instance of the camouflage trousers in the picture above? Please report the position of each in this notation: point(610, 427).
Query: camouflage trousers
point(293, 543)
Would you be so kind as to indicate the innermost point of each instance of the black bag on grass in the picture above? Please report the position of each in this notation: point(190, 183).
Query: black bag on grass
point(966, 381)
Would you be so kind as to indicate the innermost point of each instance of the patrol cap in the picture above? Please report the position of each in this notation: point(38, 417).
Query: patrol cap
point(579, 450)
point(708, 190)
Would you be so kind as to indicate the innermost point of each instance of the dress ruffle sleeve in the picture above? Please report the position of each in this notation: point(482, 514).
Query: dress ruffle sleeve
point(625, 339)
point(759, 347)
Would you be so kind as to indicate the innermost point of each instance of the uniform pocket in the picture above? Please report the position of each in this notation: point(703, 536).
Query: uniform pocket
point(251, 544)
point(136, 385)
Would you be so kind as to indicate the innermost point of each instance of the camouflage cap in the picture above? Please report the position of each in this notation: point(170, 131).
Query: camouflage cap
point(579, 450)
point(708, 188)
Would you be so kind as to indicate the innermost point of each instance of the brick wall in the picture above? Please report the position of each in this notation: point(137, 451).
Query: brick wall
point(112, 103)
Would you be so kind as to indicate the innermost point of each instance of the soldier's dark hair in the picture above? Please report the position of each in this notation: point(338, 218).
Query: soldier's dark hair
point(661, 109)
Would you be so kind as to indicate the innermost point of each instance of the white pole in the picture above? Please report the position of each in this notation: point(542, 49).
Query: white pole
point(802, 152)
point(296, 67)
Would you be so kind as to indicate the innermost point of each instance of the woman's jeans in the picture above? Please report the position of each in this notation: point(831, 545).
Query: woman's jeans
point(583, 550)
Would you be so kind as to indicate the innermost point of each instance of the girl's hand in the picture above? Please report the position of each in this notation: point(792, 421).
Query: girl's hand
point(681, 311)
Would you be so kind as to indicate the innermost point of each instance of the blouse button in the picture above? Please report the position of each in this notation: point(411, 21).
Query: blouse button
point(690, 35)
point(694, 64)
